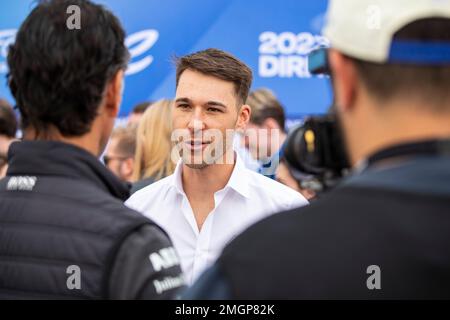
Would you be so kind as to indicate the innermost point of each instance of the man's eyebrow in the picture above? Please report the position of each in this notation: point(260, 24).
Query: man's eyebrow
point(209, 103)
point(183, 100)
point(216, 103)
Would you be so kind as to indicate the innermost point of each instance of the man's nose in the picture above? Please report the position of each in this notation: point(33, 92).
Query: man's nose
point(196, 121)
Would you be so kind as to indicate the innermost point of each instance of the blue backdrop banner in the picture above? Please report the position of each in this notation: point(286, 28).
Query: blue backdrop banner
point(272, 36)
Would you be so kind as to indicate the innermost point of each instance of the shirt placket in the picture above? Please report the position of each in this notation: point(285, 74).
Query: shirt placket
point(204, 240)
point(202, 247)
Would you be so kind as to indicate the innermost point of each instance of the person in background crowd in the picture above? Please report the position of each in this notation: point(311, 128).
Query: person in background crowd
point(385, 232)
point(66, 233)
point(152, 160)
point(212, 196)
point(8, 129)
point(249, 162)
point(119, 154)
point(268, 125)
point(137, 113)
point(293, 179)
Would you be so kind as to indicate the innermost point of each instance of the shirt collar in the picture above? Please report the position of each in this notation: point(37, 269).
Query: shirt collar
point(238, 180)
point(177, 182)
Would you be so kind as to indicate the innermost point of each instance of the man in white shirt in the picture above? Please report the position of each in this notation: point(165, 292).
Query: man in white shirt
point(211, 197)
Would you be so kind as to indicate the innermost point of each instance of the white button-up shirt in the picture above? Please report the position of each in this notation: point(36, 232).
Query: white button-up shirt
point(247, 198)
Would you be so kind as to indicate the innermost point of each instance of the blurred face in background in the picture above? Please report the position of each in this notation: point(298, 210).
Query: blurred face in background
point(134, 118)
point(262, 140)
point(120, 164)
point(205, 108)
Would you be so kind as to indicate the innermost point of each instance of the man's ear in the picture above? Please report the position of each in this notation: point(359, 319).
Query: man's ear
point(243, 117)
point(114, 90)
point(344, 80)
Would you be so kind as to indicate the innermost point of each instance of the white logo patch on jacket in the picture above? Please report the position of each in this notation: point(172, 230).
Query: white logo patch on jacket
point(164, 259)
point(19, 183)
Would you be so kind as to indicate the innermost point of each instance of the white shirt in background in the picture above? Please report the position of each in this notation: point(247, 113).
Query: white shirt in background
point(247, 198)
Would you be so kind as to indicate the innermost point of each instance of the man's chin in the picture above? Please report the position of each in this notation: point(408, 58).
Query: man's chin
point(202, 160)
point(198, 162)
point(196, 166)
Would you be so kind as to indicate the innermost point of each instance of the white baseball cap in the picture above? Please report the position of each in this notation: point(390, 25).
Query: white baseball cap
point(364, 29)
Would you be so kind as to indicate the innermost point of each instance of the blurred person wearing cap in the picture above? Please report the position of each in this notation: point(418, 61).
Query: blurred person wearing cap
point(385, 232)
point(211, 197)
point(8, 129)
point(66, 233)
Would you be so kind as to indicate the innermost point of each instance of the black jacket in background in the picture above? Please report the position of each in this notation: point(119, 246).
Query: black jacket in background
point(389, 224)
point(61, 209)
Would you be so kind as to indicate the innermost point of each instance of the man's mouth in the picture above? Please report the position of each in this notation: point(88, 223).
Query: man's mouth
point(196, 145)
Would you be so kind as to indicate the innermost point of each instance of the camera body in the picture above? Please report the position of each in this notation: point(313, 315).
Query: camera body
point(316, 150)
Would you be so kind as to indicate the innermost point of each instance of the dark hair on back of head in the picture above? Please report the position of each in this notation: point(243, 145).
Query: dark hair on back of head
point(429, 84)
point(57, 75)
point(8, 120)
point(219, 64)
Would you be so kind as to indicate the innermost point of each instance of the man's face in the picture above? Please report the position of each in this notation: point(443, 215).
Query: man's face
point(350, 104)
point(110, 109)
point(205, 108)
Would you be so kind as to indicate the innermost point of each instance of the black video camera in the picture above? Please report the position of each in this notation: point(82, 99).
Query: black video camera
point(316, 148)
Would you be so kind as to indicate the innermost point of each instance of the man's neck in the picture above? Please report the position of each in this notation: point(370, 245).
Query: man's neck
point(86, 142)
point(200, 186)
point(398, 126)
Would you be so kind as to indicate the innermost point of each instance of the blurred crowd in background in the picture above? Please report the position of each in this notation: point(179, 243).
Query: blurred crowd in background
point(61, 208)
point(139, 151)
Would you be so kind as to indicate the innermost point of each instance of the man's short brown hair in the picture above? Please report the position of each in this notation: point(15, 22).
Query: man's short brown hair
point(219, 64)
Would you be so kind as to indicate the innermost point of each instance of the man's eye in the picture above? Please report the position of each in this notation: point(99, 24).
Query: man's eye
point(214, 110)
point(183, 106)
